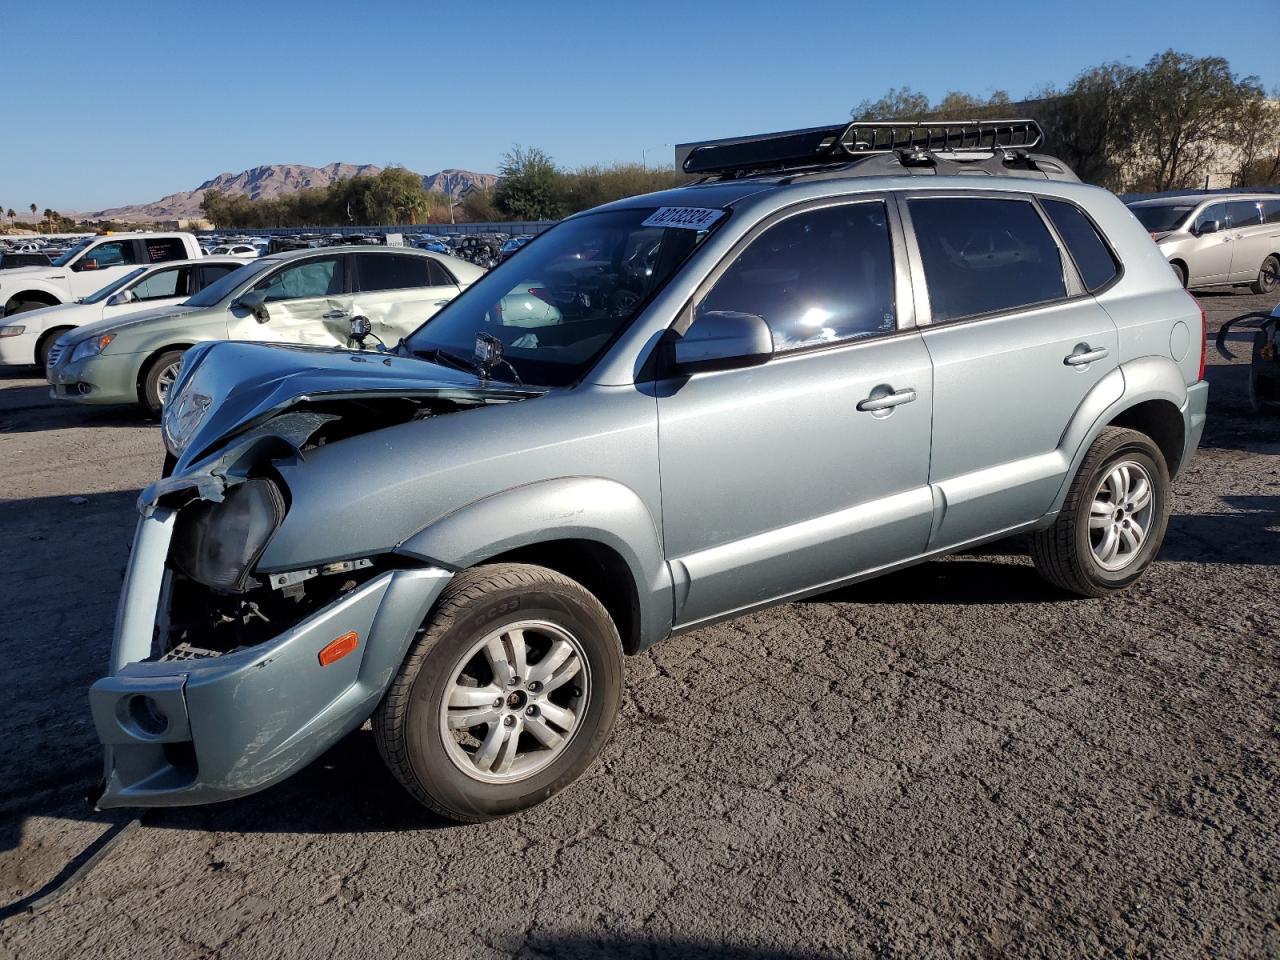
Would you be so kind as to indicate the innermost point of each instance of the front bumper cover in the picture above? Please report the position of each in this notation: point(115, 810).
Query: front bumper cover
point(103, 378)
point(229, 725)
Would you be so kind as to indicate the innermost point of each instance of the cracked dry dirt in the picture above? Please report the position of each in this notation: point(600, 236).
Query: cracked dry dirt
point(952, 760)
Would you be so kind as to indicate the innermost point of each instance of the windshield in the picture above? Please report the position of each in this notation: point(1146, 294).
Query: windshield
point(562, 301)
point(111, 288)
point(217, 291)
point(72, 250)
point(1162, 217)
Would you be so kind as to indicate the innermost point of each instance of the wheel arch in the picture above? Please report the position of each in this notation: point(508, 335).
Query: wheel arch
point(144, 368)
point(32, 295)
point(1147, 394)
point(594, 530)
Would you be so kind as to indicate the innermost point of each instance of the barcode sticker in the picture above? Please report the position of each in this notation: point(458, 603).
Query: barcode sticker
point(686, 218)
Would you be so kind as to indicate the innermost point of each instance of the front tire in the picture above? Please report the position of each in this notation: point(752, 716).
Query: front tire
point(507, 695)
point(1113, 520)
point(160, 376)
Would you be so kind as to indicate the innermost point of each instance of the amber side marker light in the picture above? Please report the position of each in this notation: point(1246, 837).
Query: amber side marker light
point(335, 651)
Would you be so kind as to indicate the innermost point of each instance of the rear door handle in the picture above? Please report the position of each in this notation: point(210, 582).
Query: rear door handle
point(1084, 354)
point(886, 401)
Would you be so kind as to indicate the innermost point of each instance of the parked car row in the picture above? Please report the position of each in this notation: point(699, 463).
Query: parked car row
point(123, 343)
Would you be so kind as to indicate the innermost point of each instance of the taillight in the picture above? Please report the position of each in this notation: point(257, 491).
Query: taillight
point(1204, 342)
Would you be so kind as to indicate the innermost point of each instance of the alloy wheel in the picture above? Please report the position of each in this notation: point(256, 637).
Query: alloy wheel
point(1120, 515)
point(514, 701)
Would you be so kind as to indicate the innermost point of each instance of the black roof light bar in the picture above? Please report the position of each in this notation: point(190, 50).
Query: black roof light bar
point(820, 146)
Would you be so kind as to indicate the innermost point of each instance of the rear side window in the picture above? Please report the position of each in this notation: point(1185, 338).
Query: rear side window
point(393, 272)
point(1271, 211)
point(817, 277)
point(1093, 257)
point(215, 271)
point(165, 248)
point(1244, 213)
point(985, 255)
point(164, 284)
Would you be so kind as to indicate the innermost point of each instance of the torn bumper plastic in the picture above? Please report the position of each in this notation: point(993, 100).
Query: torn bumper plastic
point(179, 732)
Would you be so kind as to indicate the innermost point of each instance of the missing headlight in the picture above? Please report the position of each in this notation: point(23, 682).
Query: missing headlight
point(217, 544)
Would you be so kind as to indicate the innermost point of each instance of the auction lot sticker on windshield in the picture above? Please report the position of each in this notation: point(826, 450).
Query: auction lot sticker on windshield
point(687, 218)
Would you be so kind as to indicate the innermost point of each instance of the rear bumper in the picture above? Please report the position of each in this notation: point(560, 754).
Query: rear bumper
point(225, 726)
point(1193, 416)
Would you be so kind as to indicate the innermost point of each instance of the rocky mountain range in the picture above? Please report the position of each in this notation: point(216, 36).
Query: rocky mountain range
point(274, 180)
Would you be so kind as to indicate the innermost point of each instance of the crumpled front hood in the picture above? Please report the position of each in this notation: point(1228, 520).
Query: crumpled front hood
point(247, 382)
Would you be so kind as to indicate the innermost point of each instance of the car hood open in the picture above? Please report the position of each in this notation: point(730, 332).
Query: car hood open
point(242, 384)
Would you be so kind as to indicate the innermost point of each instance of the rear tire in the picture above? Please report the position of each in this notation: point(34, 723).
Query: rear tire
point(160, 375)
point(1180, 272)
point(1106, 535)
point(1268, 275)
point(459, 727)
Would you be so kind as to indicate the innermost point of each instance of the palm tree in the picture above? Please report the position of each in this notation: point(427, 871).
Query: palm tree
point(33, 209)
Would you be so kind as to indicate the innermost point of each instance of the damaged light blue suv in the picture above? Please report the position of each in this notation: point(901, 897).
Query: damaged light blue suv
point(843, 351)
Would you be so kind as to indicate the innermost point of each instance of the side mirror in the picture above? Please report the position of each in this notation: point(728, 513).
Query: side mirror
point(1208, 226)
point(121, 298)
point(722, 340)
point(87, 264)
point(255, 301)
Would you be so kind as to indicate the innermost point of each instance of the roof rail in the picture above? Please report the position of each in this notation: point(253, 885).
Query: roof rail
point(823, 146)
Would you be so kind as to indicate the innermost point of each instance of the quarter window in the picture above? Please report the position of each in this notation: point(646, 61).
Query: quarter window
point(817, 277)
point(165, 248)
point(391, 271)
point(985, 255)
point(1090, 252)
point(311, 278)
point(440, 277)
point(1271, 211)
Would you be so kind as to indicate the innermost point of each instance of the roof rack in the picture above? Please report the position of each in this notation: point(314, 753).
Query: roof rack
point(824, 146)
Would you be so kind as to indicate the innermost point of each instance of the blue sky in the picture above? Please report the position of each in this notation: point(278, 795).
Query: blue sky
point(113, 103)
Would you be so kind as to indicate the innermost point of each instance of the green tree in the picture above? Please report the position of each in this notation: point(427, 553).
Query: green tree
point(529, 185)
point(1089, 125)
point(1257, 134)
point(1184, 111)
point(900, 103)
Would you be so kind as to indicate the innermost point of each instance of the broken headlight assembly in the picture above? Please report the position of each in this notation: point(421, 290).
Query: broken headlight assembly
point(218, 544)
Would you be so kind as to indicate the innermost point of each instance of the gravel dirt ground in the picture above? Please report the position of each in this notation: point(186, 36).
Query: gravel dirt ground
point(955, 760)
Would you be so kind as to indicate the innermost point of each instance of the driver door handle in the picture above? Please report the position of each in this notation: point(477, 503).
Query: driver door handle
point(336, 315)
point(1084, 354)
point(888, 401)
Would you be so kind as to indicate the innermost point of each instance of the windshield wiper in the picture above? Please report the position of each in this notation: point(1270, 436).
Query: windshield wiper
point(444, 358)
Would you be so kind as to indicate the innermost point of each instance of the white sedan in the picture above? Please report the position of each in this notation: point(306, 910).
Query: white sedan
point(25, 338)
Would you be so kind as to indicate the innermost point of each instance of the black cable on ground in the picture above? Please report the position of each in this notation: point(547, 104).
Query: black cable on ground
point(75, 871)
